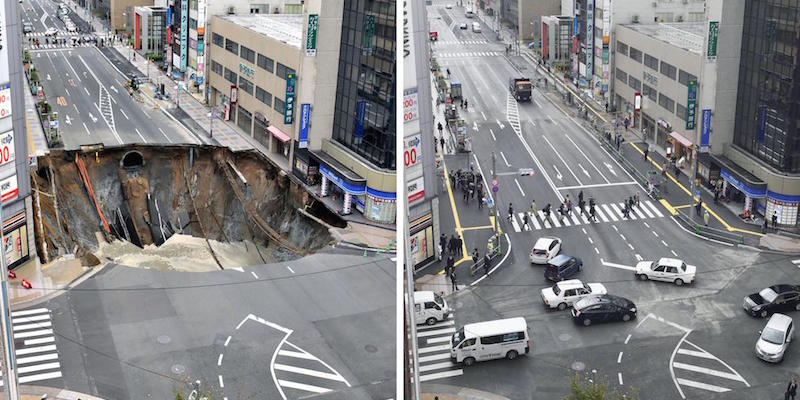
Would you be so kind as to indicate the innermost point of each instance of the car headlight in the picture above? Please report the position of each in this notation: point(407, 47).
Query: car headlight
point(756, 308)
point(633, 309)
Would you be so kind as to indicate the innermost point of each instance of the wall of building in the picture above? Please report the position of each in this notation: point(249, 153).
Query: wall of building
point(122, 13)
point(380, 179)
point(530, 17)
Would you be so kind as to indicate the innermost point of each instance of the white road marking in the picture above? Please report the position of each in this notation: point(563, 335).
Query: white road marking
point(619, 358)
point(303, 386)
point(123, 114)
point(254, 274)
point(314, 373)
point(627, 339)
point(492, 133)
point(707, 371)
point(140, 134)
point(655, 234)
point(615, 265)
point(620, 378)
point(645, 224)
point(554, 220)
point(504, 159)
point(694, 353)
point(87, 129)
point(630, 245)
point(596, 251)
point(700, 385)
point(165, 135)
point(562, 159)
point(519, 187)
point(436, 332)
point(796, 262)
point(622, 236)
point(44, 317)
point(584, 232)
point(638, 212)
point(39, 367)
point(664, 243)
point(431, 349)
point(219, 360)
point(228, 340)
point(674, 253)
point(439, 375)
point(435, 357)
point(433, 367)
point(438, 340)
point(32, 350)
point(36, 325)
point(41, 332)
point(87, 91)
point(558, 173)
point(515, 224)
point(296, 354)
point(534, 220)
point(544, 220)
point(631, 215)
point(22, 313)
point(221, 383)
point(591, 241)
point(638, 257)
point(610, 213)
point(537, 103)
point(31, 342)
point(654, 208)
point(33, 359)
point(290, 269)
point(552, 120)
point(484, 115)
point(39, 377)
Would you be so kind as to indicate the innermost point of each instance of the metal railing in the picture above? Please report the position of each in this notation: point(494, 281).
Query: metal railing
point(713, 233)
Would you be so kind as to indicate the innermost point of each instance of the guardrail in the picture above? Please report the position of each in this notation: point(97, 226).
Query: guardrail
point(713, 233)
point(480, 264)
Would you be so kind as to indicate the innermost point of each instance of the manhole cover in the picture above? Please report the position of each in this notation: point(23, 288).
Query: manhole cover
point(578, 366)
point(178, 369)
point(370, 348)
point(163, 339)
point(564, 337)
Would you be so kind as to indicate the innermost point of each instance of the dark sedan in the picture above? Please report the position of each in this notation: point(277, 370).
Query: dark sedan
point(562, 267)
point(773, 299)
point(603, 308)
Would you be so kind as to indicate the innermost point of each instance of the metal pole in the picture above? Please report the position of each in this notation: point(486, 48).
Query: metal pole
point(9, 369)
point(410, 308)
point(496, 198)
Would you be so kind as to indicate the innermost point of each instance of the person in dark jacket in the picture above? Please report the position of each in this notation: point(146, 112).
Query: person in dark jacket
point(451, 265)
point(487, 264)
point(791, 390)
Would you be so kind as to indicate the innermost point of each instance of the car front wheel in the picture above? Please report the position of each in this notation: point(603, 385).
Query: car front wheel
point(469, 361)
point(430, 321)
point(562, 306)
point(587, 322)
point(643, 277)
point(797, 306)
point(511, 355)
point(679, 282)
point(763, 314)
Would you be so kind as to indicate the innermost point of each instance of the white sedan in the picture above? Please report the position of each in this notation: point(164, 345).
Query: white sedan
point(545, 249)
point(51, 32)
point(566, 293)
point(667, 270)
point(448, 6)
point(463, 25)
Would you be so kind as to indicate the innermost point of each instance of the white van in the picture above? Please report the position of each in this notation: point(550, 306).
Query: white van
point(476, 26)
point(490, 340)
point(469, 13)
point(430, 308)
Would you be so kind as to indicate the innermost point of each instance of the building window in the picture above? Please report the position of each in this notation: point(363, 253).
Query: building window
point(246, 85)
point(283, 70)
point(680, 111)
point(666, 102)
point(230, 76)
point(248, 54)
point(634, 83)
point(684, 77)
point(244, 119)
point(635, 54)
point(651, 62)
point(218, 40)
point(649, 92)
point(668, 70)
point(622, 48)
point(622, 76)
point(278, 106)
point(216, 67)
point(232, 46)
point(264, 96)
point(266, 63)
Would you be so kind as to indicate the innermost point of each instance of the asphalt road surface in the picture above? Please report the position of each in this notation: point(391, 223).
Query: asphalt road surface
point(322, 325)
point(693, 341)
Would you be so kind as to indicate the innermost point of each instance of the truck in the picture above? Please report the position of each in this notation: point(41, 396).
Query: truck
point(455, 90)
point(520, 88)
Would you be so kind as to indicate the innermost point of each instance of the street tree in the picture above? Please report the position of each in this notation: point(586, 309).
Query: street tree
point(592, 387)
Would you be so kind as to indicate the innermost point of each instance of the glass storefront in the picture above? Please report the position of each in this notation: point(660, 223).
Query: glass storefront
point(380, 206)
point(421, 240)
point(15, 243)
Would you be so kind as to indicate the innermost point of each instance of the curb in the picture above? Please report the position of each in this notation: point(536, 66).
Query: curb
point(55, 292)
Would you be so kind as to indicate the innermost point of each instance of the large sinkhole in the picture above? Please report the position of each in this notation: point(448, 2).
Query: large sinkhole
point(179, 208)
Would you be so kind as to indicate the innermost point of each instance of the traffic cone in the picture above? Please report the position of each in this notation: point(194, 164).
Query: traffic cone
point(12, 275)
point(26, 284)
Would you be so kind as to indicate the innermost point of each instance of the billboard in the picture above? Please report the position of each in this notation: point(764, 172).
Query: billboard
point(6, 147)
point(713, 32)
point(412, 150)
point(705, 130)
point(184, 33)
point(8, 189)
point(589, 39)
point(691, 104)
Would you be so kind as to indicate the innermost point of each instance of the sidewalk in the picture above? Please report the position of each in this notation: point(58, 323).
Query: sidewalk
point(37, 141)
point(47, 281)
point(27, 392)
point(447, 392)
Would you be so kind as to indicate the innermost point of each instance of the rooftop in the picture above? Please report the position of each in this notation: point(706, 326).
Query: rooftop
point(286, 28)
point(686, 35)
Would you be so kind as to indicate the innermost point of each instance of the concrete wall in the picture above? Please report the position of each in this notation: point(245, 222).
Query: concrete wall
point(126, 7)
point(729, 48)
point(532, 11)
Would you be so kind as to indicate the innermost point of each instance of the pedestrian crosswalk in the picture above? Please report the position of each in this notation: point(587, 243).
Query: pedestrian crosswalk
point(35, 346)
point(611, 212)
point(698, 369)
point(469, 54)
point(434, 351)
point(60, 46)
point(301, 374)
point(464, 42)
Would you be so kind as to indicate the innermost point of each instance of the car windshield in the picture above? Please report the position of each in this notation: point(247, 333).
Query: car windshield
point(773, 336)
point(539, 251)
point(768, 295)
point(556, 289)
point(438, 299)
point(458, 337)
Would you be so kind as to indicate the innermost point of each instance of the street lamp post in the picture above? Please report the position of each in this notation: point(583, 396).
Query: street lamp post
point(211, 116)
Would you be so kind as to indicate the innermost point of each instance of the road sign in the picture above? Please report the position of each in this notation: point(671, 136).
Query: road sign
point(490, 202)
point(494, 182)
point(494, 189)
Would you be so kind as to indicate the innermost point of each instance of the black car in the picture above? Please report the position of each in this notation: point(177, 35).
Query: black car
point(602, 308)
point(773, 299)
point(562, 267)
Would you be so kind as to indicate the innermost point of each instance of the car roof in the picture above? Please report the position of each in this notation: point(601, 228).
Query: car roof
point(545, 241)
point(784, 288)
point(560, 259)
point(423, 296)
point(496, 327)
point(570, 284)
point(600, 298)
point(779, 321)
point(670, 262)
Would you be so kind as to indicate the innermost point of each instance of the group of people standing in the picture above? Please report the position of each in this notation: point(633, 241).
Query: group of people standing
point(564, 209)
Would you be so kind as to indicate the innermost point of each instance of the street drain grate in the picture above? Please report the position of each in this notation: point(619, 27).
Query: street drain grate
point(163, 339)
point(178, 369)
point(578, 366)
point(564, 337)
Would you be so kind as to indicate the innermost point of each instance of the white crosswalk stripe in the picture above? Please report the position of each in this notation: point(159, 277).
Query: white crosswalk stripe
point(37, 360)
point(434, 351)
point(469, 54)
point(695, 368)
point(304, 373)
point(447, 42)
point(603, 212)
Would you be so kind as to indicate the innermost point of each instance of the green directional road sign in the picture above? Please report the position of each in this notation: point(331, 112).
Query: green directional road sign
point(713, 32)
point(311, 35)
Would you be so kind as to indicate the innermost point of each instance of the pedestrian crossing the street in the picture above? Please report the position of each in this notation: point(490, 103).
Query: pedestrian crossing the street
point(698, 369)
point(434, 351)
point(60, 46)
point(469, 54)
point(301, 374)
point(35, 346)
point(463, 42)
point(611, 212)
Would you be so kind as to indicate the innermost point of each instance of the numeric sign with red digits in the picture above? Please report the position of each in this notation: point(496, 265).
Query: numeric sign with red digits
point(411, 150)
point(6, 147)
point(5, 100)
point(410, 106)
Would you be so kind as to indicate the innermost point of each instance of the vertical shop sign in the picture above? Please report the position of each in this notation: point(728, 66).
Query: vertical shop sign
point(589, 40)
point(305, 115)
point(369, 33)
point(311, 35)
point(713, 32)
point(705, 130)
point(184, 33)
point(691, 104)
point(288, 105)
point(361, 111)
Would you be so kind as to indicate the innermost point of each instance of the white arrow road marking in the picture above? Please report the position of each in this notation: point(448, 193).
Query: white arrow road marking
point(610, 168)
point(504, 159)
point(583, 169)
point(48, 77)
point(114, 88)
point(519, 187)
point(94, 119)
point(558, 173)
point(500, 124)
point(67, 120)
point(614, 265)
point(492, 133)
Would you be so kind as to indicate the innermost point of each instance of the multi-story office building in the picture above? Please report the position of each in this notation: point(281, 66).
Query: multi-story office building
point(557, 40)
point(335, 127)
point(150, 30)
point(766, 137)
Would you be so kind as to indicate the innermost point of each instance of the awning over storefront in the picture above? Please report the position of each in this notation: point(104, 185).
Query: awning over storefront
point(340, 175)
point(741, 179)
point(278, 134)
point(381, 195)
point(681, 139)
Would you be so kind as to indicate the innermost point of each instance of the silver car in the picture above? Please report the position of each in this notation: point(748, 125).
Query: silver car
point(774, 339)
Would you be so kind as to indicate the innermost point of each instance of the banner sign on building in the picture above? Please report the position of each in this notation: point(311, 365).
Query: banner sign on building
point(5, 100)
point(410, 105)
point(201, 18)
point(589, 40)
point(691, 104)
point(412, 149)
point(311, 34)
point(8, 189)
point(184, 33)
point(369, 33)
point(6, 147)
point(305, 116)
point(361, 111)
point(705, 131)
point(416, 190)
point(288, 105)
point(713, 32)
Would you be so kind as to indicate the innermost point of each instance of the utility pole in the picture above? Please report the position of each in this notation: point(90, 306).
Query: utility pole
point(409, 306)
point(496, 198)
point(9, 369)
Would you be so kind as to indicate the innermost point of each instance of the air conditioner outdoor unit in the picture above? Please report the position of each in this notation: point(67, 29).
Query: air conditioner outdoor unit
point(231, 10)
